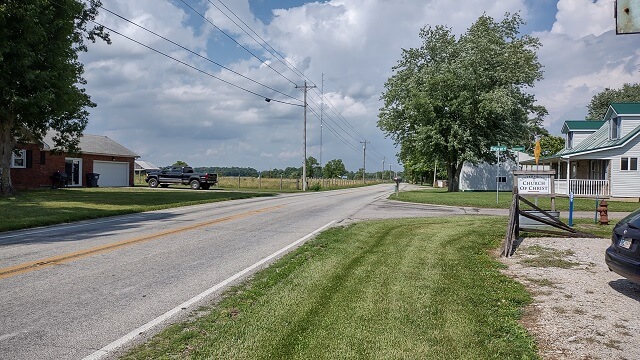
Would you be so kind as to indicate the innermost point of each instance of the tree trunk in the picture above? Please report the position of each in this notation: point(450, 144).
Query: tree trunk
point(7, 143)
point(453, 176)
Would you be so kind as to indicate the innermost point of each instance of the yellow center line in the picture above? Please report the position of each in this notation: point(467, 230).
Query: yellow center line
point(65, 258)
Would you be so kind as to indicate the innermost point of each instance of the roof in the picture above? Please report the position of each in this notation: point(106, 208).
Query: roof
point(617, 109)
point(94, 144)
point(626, 108)
point(145, 165)
point(597, 141)
point(581, 125)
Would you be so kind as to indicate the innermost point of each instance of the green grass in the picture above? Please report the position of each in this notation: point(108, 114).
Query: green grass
point(397, 289)
point(488, 200)
point(45, 207)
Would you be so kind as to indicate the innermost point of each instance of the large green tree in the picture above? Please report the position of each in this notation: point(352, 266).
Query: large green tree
point(313, 168)
point(334, 168)
point(452, 98)
point(41, 77)
point(600, 102)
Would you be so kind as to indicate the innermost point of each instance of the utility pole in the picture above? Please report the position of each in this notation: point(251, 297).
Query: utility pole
point(364, 159)
point(304, 137)
point(382, 175)
point(321, 123)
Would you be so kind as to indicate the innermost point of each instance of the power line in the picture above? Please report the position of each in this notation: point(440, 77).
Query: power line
point(273, 51)
point(195, 53)
point(234, 40)
point(193, 67)
point(280, 58)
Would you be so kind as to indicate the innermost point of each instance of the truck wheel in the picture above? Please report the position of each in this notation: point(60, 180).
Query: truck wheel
point(195, 184)
point(164, 185)
point(153, 182)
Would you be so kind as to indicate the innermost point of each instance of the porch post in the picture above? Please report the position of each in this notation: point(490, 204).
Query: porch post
point(568, 174)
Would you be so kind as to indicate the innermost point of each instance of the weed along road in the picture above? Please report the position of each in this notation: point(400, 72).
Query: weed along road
point(88, 289)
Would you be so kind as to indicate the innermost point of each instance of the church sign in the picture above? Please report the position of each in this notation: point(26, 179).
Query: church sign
point(534, 184)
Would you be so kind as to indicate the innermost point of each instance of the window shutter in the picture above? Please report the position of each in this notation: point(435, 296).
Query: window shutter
point(29, 159)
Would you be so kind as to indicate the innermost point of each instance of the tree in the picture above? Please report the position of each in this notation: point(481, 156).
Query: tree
point(41, 75)
point(551, 145)
point(180, 163)
point(451, 99)
point(599, 104)
point(334, 168)
point(313, 167)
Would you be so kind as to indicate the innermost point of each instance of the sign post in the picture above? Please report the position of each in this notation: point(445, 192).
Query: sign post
point(497, 149)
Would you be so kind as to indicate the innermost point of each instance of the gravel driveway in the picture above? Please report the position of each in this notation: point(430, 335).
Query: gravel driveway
point(581, 310)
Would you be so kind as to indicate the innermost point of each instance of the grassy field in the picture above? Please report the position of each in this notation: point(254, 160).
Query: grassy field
point(45, 207)
point(397, 289)
point(276, 184)
point(488, 200)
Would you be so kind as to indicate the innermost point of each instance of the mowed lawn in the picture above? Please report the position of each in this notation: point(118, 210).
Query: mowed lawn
point(394, 289)
point(487, 199)
point(45, 207)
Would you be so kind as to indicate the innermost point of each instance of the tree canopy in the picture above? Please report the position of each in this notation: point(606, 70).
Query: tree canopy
point(452, 98)
point(600, 102)
point(41, 77)
point(334, 168)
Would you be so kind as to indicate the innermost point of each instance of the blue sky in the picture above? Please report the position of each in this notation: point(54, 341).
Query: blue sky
point(165, 111)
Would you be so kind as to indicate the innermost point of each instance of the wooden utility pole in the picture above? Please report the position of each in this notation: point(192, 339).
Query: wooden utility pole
point(304, 136)
point(364, 160)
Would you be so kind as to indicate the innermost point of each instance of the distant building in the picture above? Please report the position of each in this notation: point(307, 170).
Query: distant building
point(486, 177)
point(35, 165)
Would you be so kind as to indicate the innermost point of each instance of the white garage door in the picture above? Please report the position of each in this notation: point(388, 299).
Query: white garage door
point(112, 173)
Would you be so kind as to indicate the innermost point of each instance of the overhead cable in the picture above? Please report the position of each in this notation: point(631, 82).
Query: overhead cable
point(200, 56)
point(266, 98)
point(234, 40)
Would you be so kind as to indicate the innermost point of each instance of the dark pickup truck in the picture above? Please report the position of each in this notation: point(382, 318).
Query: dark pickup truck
point(181, 175)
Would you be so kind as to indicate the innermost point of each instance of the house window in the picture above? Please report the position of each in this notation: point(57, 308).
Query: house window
point(615, 128)
point(569, 140)
point(629, 164)
point(19, 159)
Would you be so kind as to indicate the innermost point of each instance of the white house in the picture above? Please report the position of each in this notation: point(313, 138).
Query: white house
point(600, 158)
point(485, 176)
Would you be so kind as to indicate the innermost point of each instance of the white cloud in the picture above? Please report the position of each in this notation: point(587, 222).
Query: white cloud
point(166, 111)
point(578, 18)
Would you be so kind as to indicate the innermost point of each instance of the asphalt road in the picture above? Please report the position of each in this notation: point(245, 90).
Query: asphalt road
point(90, 289)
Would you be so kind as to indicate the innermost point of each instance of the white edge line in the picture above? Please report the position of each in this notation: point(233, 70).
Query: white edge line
point(155, 322)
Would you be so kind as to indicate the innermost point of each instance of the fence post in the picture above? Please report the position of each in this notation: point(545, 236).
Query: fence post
point(281, 182)
point(238, 182)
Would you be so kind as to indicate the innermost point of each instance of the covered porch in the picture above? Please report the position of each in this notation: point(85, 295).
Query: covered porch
point(582, 177)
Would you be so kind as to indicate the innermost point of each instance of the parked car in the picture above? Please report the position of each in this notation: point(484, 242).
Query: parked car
point(181, 175)
point(623, 256)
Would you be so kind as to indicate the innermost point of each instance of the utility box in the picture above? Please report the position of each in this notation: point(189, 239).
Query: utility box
point(525, 222)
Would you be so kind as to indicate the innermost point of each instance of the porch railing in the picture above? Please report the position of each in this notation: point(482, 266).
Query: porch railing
point(590, 188)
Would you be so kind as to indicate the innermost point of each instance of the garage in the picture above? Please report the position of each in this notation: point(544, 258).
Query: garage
point(112, 173)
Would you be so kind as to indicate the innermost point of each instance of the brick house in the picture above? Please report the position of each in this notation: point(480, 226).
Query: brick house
point(35, 164)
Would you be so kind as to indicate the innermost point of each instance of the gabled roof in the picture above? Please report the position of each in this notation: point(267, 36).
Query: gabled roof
point(581, 125)
point(598, 141)
point(617, 109)
point(94, 144)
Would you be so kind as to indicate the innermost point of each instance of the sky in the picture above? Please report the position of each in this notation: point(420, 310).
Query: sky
point(206, 106)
